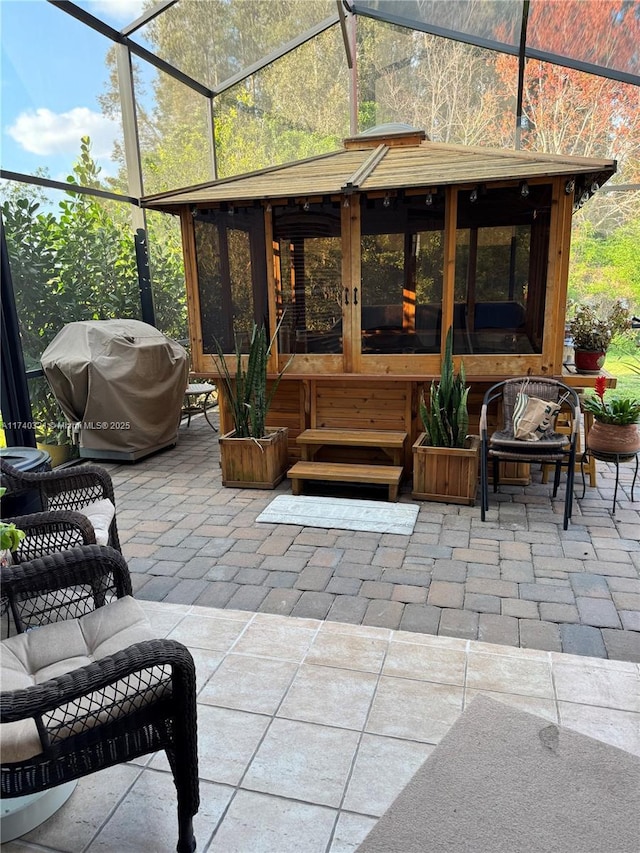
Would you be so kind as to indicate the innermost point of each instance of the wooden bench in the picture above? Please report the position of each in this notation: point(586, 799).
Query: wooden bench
point(390, 441)
point(379, 475)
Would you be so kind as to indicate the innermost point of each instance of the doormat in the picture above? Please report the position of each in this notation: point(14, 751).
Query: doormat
point(341, 514)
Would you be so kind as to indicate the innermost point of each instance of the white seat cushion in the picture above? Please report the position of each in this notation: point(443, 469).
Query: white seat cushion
point(53, 650)
point(197, 388)
point(100, 514)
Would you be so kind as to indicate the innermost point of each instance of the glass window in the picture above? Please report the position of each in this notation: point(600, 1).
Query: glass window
point(232, 276)
point(502, 246)
point(402, 272)
point(308, 277)
point(455, 92)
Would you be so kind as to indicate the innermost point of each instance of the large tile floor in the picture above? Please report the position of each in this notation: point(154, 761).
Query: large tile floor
point(309, 729)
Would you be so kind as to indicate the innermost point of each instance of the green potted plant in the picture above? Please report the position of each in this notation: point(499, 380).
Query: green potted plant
point(592, 331)
point(10, 537)
point(445, 458)
point(251, 454)
point(615, 426)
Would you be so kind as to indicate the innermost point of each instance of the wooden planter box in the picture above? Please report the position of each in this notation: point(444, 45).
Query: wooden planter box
point(446, 474)
point(259, 463)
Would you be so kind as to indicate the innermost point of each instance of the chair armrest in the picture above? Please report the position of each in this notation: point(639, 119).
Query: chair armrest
point(73, 708)
point(89, 575)
point(49, 532)
point(90, 482)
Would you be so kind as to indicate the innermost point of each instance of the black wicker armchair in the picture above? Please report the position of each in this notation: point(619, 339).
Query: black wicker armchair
point(111, 692)
point(50, 532)
point(551, 448)
point(63, 489)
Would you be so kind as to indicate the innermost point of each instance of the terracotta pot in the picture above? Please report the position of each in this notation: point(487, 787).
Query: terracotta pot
point(612, 438)
point(589, 361)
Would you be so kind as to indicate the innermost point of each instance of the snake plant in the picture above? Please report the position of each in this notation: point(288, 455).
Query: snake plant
point(246, 391)
point(445, 415)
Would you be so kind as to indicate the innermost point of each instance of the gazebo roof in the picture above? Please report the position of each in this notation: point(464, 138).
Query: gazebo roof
point(382, 162)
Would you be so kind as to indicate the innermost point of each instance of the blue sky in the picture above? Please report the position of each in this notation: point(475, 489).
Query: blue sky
point(53, 70)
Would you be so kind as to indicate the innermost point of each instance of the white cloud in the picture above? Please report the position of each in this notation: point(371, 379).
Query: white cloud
point(44, 132)
point(120, 10)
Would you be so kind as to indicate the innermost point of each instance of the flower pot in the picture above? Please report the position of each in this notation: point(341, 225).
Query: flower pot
point(255, 463)
point(613, 438)
point(588, 361)
point(446, 474)
point(59, 453)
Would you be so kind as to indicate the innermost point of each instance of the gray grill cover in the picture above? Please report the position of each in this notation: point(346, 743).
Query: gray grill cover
point(122, 381)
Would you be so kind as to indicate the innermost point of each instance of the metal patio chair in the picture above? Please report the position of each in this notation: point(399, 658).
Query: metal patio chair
point(554, 448)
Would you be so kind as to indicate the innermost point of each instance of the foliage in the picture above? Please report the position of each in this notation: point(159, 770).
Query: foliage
point(10, 535)
point(621, 411)
point(446, 418)
point(76, 261)
point(593, 329)
point(604, 263)
point(246, 391)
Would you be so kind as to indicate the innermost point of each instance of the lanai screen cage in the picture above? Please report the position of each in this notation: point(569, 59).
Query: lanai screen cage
point(183, 93)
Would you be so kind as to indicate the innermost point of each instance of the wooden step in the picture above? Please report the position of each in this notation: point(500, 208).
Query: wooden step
point(390, 441)
point(387, 475)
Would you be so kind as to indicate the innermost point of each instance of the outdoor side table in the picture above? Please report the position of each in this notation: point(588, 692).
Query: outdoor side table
point(199, 398)
point(615, 459)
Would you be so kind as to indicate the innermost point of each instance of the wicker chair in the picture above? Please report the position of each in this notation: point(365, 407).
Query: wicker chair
point(50, 532)
point(112, 692)
point(552, 448)
point(63, 489)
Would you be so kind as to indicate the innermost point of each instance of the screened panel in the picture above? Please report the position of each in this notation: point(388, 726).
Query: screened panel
point(72, 257)
point(604, 248)
point(571, 112)
point(232, 277)
point(43, 124)
point(495, 20)
point(214, 40)
point(295, 108)
point(502, 246)
point(402, 249)
point(173, 128)
point(167, 275)
point(455, 92)
point(601, 33)
point(117, 15)
point(308, 276)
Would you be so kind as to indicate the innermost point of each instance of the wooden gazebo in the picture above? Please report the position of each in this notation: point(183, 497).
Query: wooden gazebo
point(367, 255)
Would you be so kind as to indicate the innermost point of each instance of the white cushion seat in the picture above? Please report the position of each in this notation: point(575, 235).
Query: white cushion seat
point(100, 514)
point(61, 647)
point(197, 388)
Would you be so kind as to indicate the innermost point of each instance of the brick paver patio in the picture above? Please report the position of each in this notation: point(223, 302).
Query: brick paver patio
point(517, 579)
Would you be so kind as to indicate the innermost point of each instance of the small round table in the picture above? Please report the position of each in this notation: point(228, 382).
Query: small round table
point(615, 459)
point(198, 399)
